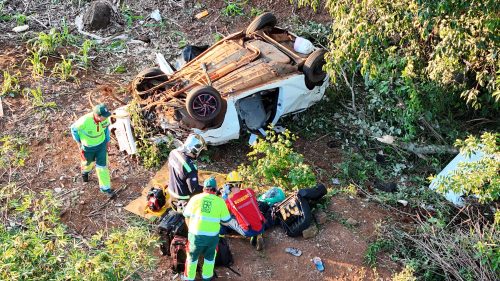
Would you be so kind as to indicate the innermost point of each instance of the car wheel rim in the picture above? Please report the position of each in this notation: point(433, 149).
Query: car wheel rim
point(205, 105)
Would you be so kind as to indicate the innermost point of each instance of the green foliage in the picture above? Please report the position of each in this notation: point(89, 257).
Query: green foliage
point(304, 3)
point(120, 69)
point(479, 178)
point(313, 31)
point(37, 67)
point(273, 162)
point(84, 53)
point(407, 274)
point(4, 17)
point(20, 19)
point(153, 153)
point(47, 44)
point(234, 8)
point(36, 98)
point(65, 36)
point(217, 36)
point(36, 245)
point(254, 11)
point(130, 16)
point(10, 84)
point(374, 249)
point(13, 152)
point(116, 46)
point(417, 57)
point(64, 69)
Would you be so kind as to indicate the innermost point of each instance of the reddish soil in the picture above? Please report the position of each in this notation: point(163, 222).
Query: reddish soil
point(53, 162)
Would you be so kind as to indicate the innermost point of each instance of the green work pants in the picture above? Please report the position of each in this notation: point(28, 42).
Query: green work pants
point(99, 156)
point(201, 245)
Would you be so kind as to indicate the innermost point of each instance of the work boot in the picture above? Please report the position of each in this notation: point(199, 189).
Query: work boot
point(85, 177)
point(109, 192)
point(260, 243)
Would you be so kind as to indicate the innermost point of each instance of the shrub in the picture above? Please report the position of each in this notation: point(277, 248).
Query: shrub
point(151, 152)
point(10, 84)
point(479, 178)
point(13, 152)
point(37, 246)
point(273, 162)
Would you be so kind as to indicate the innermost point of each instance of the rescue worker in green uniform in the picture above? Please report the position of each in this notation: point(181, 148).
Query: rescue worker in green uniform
point(91, 132)
point(204, 213)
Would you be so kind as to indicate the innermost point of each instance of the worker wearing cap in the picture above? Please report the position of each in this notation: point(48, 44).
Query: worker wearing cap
point(91, 132)
point(183, 173)
point(204, 213)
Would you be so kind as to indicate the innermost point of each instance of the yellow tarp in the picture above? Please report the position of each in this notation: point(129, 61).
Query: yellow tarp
point(138, 206)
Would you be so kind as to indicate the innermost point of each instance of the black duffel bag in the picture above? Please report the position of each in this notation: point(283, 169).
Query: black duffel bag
point(313, 193)
point(172, 224)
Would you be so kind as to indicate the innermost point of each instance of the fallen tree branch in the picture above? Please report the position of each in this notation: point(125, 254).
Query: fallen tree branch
point(98, 209)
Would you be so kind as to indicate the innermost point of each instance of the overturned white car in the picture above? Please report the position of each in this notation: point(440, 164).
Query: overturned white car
point(245, 81)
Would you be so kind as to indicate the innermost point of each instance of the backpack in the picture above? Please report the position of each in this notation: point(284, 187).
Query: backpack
point(172, 224)
point(178, 251)
point(156, 199)
point(224, 256)
point(294, 215)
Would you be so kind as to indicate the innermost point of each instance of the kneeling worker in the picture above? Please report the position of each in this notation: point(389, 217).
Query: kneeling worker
point(204, 213)
point(243, 205)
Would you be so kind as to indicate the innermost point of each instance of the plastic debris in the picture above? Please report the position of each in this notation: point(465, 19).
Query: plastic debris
point(403, 202)
point(201, 14)
point(156, 15)
point(335, 181)
point(319, 264)
point(20, 28)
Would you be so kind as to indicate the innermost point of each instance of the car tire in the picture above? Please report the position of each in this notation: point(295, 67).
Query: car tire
point(147, 79)
point(266, 19)
point(204, 103)
point(313, 67)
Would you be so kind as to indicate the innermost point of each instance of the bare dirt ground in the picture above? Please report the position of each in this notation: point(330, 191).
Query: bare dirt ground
point(53, 162)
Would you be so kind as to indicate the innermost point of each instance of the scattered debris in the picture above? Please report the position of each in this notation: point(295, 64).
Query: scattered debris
point(58, 189)
point(293, 251)
point(156, 15)
point(380, 157)
point(310, 232)
point(352, 222)
point(403, 202)
point(335, 181)
point(386, 139)
point(21, 28)
point(321, 217)
point(201, 14)
point(318, 263)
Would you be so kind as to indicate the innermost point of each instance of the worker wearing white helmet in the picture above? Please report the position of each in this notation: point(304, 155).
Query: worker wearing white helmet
point(183, 173)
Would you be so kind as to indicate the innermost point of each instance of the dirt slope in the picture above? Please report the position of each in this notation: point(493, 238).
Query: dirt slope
point(53, 162)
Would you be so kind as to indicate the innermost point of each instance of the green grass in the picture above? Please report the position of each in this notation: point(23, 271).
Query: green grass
point(64, 69)
point(234, 8)
point(10, 84)
point(36, 98)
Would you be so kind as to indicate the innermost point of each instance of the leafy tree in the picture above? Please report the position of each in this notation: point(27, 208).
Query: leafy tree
point(417, 58)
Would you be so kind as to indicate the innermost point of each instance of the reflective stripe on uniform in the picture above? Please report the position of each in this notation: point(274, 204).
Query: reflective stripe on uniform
point(177, 196)
point(183, 162)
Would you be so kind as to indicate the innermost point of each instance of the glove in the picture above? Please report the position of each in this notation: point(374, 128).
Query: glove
point(225, 191)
